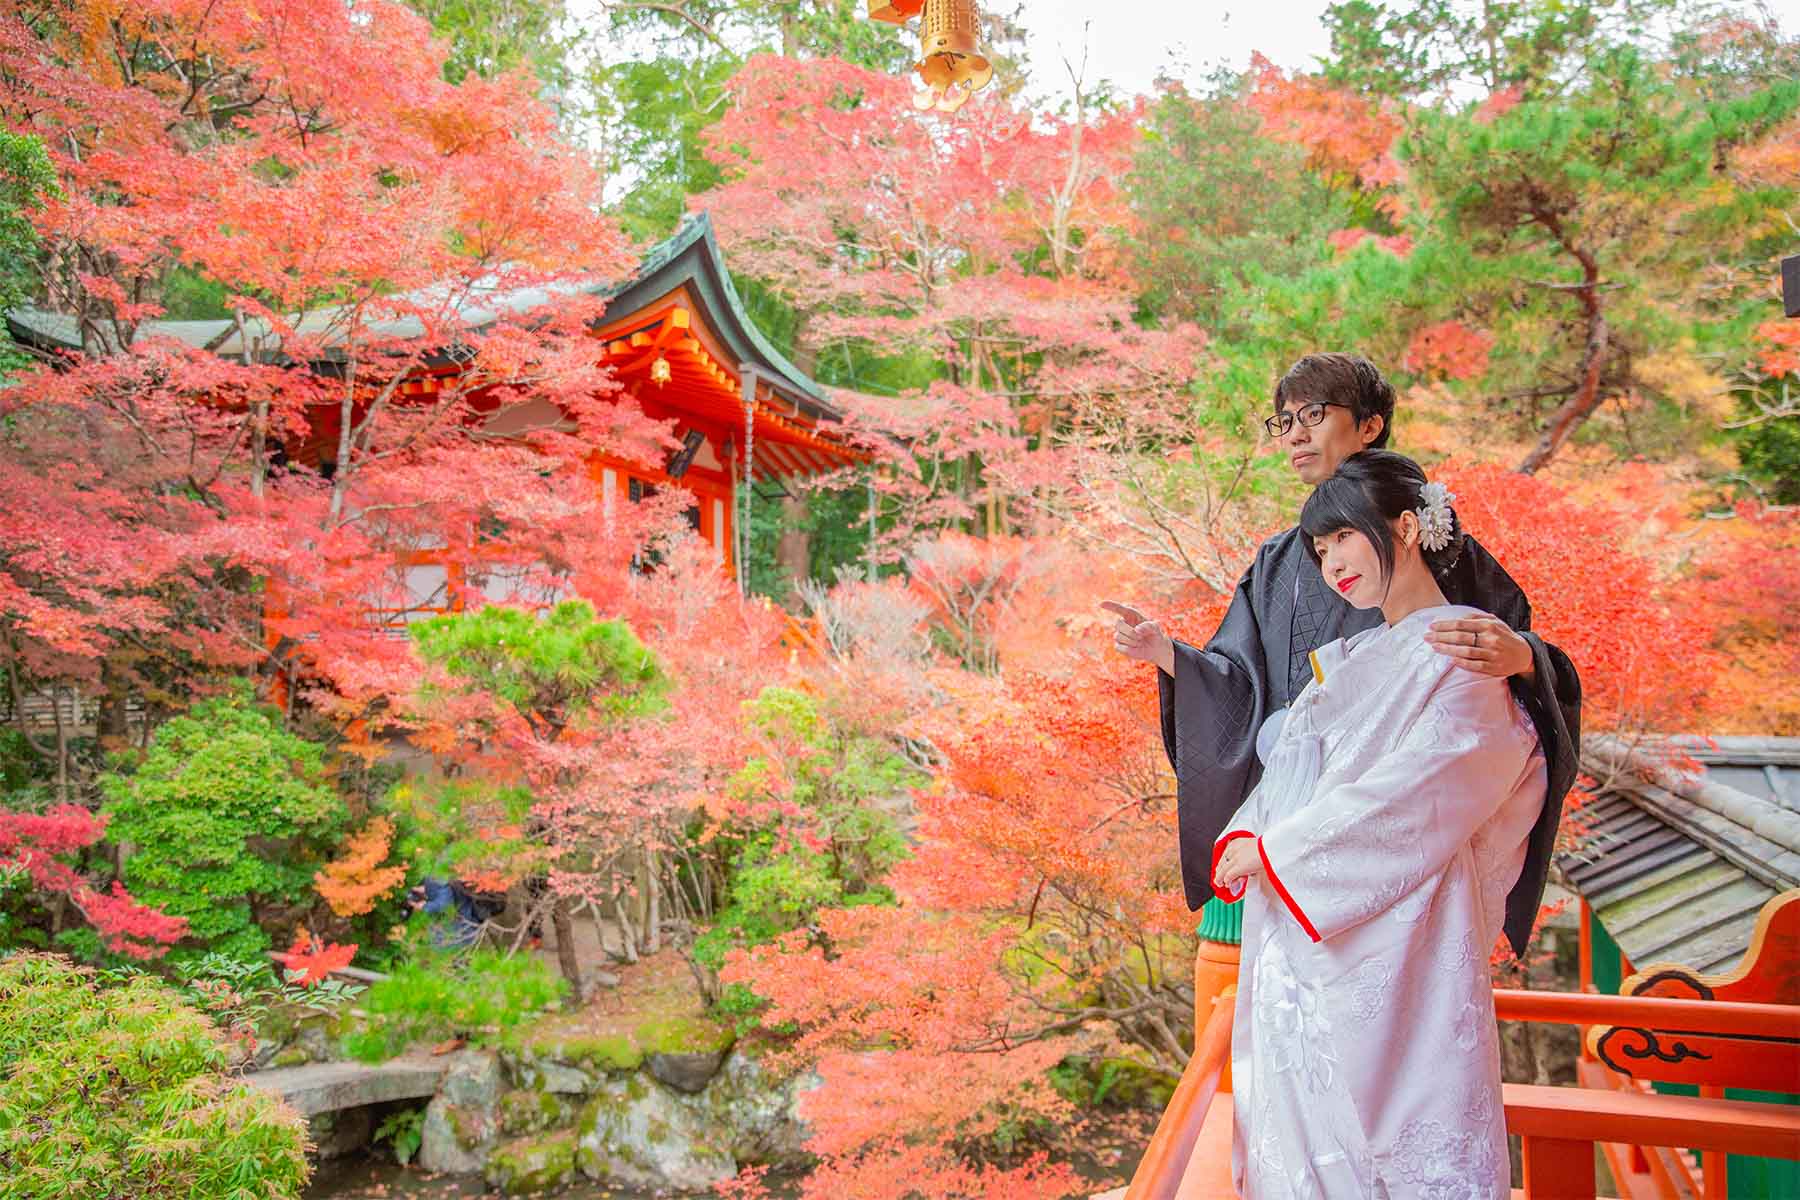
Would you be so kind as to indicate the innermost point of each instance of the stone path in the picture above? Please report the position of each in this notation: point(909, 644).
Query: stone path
point(328, 1087)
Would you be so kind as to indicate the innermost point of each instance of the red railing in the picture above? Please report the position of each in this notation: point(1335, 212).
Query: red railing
point(1736, 1018)
point(1165, 1161)
point(1559, 1127)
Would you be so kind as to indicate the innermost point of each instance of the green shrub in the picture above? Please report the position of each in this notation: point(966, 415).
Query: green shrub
point(483, 997)
point(121, 1091)
point(826, 845)
point(229, 814)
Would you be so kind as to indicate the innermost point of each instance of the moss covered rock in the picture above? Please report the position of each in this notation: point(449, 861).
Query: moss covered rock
point(636, 1133)
point(455, 1140)
point(762, 1111)
point(530, 1165)
point(685, 1052)
point(573, 1064)
point(525, 1111)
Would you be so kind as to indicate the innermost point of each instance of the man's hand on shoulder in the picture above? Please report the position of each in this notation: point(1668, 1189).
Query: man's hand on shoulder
point(1138, 637)
point(1485, 645)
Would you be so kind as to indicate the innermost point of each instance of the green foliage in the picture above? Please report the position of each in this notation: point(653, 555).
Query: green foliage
point(659, 107)
point(484, 996)
point(491, 37)
point(26, 178)
point(444, 826)
point(189, 295)
point(1094, 1082)
point(121, 1091)
point(655, 106)
point(228, 815)
point(1770, 453)
point(246, 997)
point(818, 841)
point(549, 669)
point(1217, 201)
point(404, 1131)
point(1419, 47)
point(1598, 206)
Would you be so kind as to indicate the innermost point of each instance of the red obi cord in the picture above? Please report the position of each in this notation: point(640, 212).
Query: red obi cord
point(1281, 890)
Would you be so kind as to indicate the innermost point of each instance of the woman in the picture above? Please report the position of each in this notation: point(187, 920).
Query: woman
point(1374, 860)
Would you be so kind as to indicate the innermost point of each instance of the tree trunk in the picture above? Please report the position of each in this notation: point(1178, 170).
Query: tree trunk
point(654, 922)
point(793, 552)
point(109, 726)
point(1578, 407)
point(62, 745)
point(564, 928)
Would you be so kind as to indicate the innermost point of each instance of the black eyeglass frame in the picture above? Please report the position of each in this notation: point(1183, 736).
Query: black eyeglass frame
point(1279, 424)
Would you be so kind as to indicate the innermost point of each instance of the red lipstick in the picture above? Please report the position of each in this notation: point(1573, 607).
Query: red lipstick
point(1344, 585)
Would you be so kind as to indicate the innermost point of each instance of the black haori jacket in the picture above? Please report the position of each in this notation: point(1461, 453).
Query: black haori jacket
point(1259, 661)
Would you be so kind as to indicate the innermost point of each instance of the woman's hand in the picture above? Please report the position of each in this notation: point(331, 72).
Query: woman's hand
point(1137, 636)
point(1239, 860)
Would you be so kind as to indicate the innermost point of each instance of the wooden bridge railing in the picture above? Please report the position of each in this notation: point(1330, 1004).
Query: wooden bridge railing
point(1558, 1126)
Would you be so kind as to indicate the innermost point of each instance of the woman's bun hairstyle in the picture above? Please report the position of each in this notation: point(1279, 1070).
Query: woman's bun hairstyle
point(1368, 491)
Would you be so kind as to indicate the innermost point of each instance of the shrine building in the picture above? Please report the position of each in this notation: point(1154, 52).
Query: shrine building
point(679, 342)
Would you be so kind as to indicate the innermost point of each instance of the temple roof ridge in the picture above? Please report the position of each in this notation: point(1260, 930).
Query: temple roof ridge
point(689, 257)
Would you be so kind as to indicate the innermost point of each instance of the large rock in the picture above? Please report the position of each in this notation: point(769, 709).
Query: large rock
point(531, 1165)
point(761, 1112)
point(461, 1123)
point(573, 1065)
point(472, 1080)
point(636, 1133)
point(525, 1111)
point(319, 1034)
point(455, 1140)
point(685, 1052)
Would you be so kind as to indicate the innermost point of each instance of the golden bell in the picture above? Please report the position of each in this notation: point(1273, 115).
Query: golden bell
point(659, 371)
point(951, 66)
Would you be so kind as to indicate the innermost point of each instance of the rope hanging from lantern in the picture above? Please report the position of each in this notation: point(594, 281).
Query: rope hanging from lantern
point(743, 538)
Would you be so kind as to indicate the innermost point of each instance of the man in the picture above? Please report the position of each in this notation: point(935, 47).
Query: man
point(1215, 700)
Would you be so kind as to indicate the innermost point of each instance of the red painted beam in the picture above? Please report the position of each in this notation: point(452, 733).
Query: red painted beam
point(1637, 1119)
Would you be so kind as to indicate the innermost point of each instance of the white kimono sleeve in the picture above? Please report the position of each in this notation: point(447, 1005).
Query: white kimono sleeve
point(1361, 846)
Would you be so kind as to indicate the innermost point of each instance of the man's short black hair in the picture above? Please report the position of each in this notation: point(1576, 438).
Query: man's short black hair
point(1347, 379)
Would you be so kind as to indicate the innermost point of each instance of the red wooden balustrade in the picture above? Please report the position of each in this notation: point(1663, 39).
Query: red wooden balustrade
point(1558, 1126)
point(1159, 1174)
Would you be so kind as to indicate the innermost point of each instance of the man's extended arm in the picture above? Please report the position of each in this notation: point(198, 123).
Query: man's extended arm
point(1212, 701)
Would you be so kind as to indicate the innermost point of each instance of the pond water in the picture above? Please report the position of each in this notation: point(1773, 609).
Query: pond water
point(1104, 1152)
point(364, 1177)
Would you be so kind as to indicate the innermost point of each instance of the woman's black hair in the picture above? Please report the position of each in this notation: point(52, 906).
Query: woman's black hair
point(1369, 491)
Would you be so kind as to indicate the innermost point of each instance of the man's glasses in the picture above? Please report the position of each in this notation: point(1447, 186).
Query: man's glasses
point(1308, 415)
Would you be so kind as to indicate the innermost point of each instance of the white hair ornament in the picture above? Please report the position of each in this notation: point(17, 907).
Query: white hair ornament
point(1436, 522)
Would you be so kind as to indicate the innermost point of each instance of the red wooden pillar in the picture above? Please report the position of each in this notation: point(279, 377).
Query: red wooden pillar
point(1712, 1162)
point(1557, 1169)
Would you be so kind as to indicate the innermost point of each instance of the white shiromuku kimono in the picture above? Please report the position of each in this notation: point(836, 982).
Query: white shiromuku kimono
point(1392, 819)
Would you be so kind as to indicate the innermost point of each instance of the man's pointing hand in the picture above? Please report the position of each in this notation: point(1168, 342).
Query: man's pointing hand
point(1138, 637)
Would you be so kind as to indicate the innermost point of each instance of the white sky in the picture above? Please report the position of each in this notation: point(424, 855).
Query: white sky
point(1130, 42)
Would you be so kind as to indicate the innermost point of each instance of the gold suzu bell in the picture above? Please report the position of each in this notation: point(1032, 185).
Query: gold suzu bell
point(659, 371)
point(951, 67)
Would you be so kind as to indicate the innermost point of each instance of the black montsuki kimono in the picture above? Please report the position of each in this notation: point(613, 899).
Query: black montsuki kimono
point(1258, 662)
